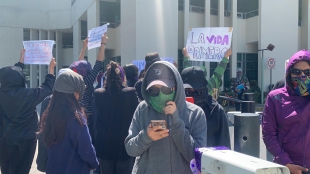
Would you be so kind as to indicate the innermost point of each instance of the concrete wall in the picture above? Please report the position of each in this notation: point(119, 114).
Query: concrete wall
point(17, 13)
point(59, 9)
point(11, 45)
point(280, 29)
point(156, 28)
point(128, 33)
point(251, 29)
point(67, 55)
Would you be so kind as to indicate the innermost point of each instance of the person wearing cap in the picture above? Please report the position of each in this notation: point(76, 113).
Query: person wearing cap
point(42, 149)
point(286, 118)
point(150, 58)
point(239, 85)
point(216, 80)
point(64, 129)
point(217, 124)
point(159, 149)
point(19, 116)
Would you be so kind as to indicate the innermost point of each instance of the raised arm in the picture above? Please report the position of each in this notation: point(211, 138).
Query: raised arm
point(104, 40)
point(22, 55)
point(215, 80)
point(82, 53)
point(52, 66)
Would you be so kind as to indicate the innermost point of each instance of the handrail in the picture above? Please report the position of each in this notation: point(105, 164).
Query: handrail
point(229, 99)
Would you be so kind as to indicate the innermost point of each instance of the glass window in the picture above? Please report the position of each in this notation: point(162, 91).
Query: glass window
point(83, 30)
point(249, 63)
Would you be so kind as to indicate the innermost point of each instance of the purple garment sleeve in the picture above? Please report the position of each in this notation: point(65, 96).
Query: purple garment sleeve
point(270, 133)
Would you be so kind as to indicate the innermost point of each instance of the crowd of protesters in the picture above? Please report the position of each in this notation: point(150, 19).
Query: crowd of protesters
point(108, 127)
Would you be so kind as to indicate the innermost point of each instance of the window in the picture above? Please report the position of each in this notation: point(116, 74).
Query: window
point(249, 64)
point(83, 30)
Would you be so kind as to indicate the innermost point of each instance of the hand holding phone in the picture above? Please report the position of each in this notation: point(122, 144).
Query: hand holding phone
point(161, 123)
point(157, 130)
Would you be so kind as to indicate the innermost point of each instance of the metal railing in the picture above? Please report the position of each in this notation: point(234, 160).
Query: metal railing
point(196, 9)
point(111, 25)
point(67, 46)
point(213, 11)
point(247, 15)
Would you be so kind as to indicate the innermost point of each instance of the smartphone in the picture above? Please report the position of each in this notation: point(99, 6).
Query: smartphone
point(161, 123)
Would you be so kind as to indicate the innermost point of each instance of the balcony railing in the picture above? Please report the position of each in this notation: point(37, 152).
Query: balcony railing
point(247, 15)
point(111, 25)
point(213, 11)
point(67, 46)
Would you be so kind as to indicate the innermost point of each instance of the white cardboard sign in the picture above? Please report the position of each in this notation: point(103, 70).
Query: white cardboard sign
point(94, 36)
point(38, 51)
point(208, 44)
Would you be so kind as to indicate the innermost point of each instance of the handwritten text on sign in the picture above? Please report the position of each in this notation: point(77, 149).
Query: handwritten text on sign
point(95, 35)
point(141, 63)
point(38, 52)
point(208, 44)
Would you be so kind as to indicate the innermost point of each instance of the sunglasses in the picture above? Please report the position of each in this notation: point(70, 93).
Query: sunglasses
point(153, 91)
point(296, 71)
point(194, 93)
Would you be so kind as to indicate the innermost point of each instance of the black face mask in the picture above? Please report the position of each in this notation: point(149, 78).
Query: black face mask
point(200, 97)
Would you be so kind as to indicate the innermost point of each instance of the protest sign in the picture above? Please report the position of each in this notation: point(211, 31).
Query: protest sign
point(208, 44)
point(141, 63)
point(95, 34)
point(38, 51)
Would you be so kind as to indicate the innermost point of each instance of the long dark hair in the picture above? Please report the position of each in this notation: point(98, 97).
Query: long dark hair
point(53, 124)
point(114, 78)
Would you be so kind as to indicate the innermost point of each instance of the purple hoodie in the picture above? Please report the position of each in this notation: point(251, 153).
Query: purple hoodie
point(286, 122)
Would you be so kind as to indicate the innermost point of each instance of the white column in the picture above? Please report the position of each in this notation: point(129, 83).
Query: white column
point(34, 68)
point(208, 24)
point(93, 19)
point(59, 57)
point(76, 40)
point(186, 19)
point(233, 58)
point(305, 25)
point(42, 68)
point(220, 14)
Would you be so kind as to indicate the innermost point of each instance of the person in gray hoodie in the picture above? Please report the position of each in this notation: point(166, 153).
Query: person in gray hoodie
point(169, 150)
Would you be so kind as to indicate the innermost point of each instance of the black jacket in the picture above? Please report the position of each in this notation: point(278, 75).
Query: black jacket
point(217, 124)
point(19, 103)
point(1, 121)
point(42, 149)
point(138, 90)
point(114, 112)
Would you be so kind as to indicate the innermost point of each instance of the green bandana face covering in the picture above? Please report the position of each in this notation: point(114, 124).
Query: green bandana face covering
point(159, 102)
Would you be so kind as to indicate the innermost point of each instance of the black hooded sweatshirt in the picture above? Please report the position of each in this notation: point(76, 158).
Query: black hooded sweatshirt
point(20, 119)
point(217, 124)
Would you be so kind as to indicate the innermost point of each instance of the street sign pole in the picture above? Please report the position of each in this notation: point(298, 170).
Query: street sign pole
point(271, 64)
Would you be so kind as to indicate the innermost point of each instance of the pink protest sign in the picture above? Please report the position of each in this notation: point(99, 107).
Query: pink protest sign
point(38, 51)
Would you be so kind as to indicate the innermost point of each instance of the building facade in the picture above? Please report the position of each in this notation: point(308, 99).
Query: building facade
point(141, 26)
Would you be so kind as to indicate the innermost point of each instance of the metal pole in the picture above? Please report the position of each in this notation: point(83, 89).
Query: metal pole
point(247, 133)
point(262, 79)
point(270, 78)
